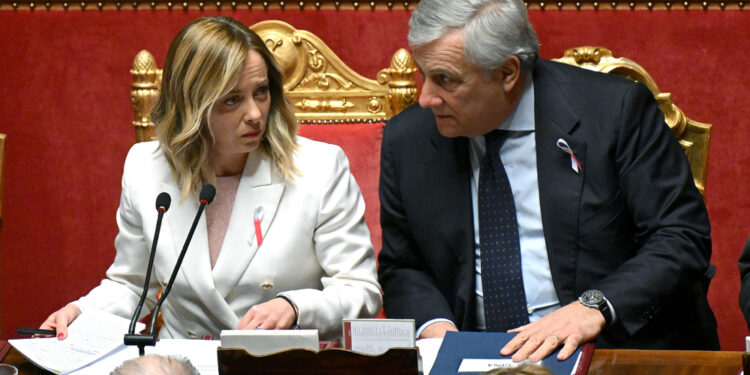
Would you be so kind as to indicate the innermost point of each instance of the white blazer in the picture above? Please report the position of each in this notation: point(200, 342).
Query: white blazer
point(316, 248)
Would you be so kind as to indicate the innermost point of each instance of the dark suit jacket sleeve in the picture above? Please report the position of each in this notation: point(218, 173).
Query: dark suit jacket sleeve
point(411, 291)
point(670, 224)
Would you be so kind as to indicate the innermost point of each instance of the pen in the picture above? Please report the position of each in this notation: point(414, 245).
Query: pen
point(35, 331)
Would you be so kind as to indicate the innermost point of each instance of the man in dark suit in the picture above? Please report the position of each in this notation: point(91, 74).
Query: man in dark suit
point(610, 239)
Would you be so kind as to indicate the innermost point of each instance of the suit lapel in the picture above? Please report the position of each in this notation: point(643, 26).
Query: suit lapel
point(259, 192)
point(451, 170)
point(560, 186)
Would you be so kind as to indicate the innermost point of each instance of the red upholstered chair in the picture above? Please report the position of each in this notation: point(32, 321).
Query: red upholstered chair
point(2, 158)
point(693, 135)
point(334, 104)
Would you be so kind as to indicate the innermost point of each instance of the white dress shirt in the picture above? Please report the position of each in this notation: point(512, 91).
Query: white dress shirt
point(518, 154)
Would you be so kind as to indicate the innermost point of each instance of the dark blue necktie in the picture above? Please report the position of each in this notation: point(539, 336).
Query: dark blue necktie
point(502, 283)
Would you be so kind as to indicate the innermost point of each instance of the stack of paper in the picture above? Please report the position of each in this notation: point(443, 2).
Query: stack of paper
point(95, 346)
point(91, 336)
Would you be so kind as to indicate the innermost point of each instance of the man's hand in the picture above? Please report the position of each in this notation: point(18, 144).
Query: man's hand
point(274, 314)
point(437, 329)
point(573, 325)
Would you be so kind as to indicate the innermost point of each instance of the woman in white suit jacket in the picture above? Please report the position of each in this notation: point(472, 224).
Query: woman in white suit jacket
point(284, 243)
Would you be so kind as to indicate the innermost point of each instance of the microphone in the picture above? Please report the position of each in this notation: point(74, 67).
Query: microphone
point(162, 205)
point(163, 200)
point(206, 196)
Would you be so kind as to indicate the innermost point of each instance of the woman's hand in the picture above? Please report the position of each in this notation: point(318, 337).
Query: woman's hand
point(61, 319)
point(274, 314)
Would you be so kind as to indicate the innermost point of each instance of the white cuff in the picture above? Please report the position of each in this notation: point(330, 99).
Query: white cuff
point(429, 322)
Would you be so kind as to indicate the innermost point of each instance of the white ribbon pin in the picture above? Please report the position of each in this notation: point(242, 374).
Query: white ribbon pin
point(574, 164)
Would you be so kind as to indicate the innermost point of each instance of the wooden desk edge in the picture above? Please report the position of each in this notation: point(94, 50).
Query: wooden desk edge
point(4, 349)
point(676, 357)
point(602, 358)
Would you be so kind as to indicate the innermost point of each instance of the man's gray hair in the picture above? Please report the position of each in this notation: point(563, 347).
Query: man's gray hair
point(494, 30)
point(154, 364)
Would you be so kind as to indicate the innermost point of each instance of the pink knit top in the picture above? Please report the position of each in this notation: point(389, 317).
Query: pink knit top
point(219, 212)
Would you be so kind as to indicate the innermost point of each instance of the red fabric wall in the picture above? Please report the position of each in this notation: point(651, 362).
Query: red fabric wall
point(64, 103)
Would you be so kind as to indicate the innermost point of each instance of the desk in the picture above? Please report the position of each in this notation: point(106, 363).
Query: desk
point(604, 362)
point(664, 362)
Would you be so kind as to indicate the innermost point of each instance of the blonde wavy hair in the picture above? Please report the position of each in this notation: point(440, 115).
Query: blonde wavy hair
point(203, 64)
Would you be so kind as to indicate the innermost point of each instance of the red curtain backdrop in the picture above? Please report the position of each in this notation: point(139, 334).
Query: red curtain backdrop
point(64, 103)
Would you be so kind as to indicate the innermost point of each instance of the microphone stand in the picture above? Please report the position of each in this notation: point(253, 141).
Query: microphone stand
point(206, 196)
point(162, 205)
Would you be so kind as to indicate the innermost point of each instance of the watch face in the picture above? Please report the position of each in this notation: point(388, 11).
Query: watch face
point(592, 298)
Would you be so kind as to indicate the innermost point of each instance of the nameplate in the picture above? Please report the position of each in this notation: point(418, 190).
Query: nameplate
point(260, 342)
point(376, 336)
point(482, 365)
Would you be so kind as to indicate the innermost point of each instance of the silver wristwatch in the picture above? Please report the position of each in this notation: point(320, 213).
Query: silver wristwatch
point(595, 299)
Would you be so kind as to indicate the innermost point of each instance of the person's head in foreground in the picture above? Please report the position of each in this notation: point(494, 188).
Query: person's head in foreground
point(524, 369)
point(154, 364)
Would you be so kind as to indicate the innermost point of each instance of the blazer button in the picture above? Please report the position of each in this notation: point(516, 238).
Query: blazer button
point(266, 285)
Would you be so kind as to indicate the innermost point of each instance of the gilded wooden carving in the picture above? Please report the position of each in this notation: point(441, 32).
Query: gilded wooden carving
point(400, 80)
point(693, 135)
point(320, 86)
point(143, 95)
point(325, 90)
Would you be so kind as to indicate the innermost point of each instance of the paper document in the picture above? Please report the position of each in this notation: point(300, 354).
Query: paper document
point(91, 336)
point(261, 342)
point(201, 353)
point(428, 350)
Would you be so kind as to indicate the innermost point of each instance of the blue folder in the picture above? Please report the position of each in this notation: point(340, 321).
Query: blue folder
point(457, 346)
